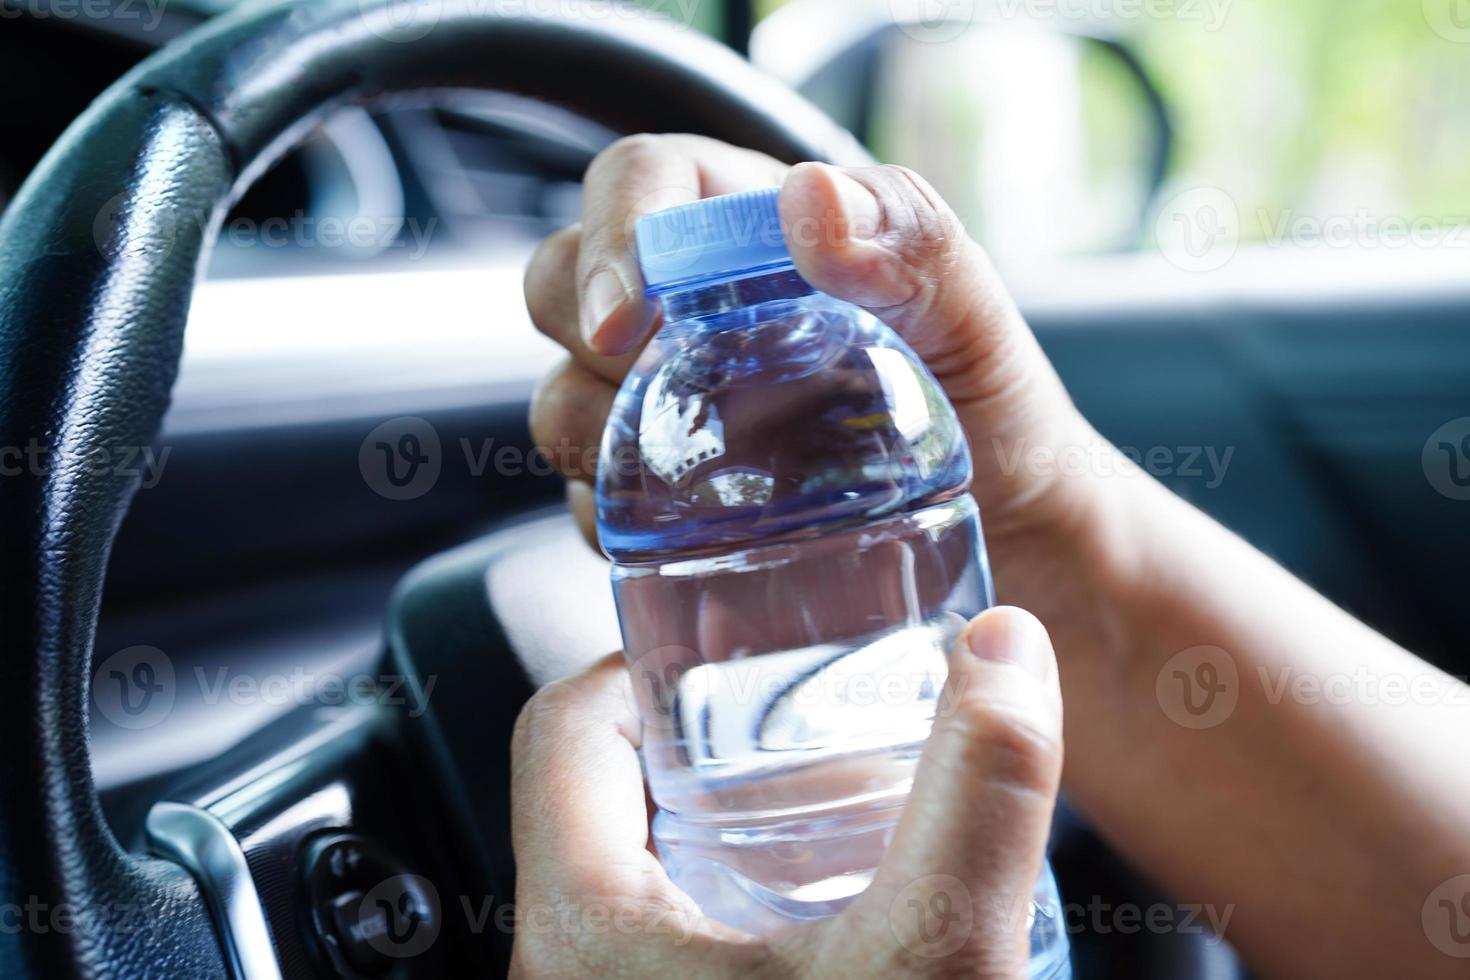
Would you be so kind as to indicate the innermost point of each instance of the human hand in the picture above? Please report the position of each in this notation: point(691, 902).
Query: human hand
point(879, 237)
point(1125, 576)
point(950, 898)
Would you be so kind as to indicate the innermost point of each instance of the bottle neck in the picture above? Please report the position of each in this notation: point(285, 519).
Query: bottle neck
point(712, 298)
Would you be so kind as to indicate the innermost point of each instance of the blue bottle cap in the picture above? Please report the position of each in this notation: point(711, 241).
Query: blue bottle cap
point(717, 238)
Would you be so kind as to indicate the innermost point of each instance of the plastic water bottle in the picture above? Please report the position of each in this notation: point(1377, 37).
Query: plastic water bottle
point(783, 492)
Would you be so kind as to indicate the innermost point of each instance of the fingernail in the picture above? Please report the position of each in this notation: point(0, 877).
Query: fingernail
point(861, 214)
point(1007, 635)
point(605, 293)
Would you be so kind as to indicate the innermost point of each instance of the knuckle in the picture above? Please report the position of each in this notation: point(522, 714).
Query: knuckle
point(568, 412)
point(913, 186)
point(933, 230)
point(1011, 743)
point(548, 405)
point(559, 714)
point(548, 277)
point(628, 153)
point(541, 715)
point(636, 146)
point(908, 178)
point(522, 734)
point(583, 505)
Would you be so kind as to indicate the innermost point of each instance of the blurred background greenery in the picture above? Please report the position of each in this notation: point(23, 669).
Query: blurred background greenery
point(1322, 105)
point(1304, 112)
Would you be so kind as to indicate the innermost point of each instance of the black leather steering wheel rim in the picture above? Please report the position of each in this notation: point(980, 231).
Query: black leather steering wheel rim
point(101, 248)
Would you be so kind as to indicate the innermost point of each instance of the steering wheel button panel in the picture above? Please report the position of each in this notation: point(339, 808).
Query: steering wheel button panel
point(370, 915)
point(360, 932)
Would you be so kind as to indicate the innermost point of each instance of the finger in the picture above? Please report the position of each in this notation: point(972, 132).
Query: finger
point(579, 825)
point(634, 176)
point(973, 834)
point(880, 237)
point(582, 500)
point(569, 410)
point(551, 301)
point(591, 897)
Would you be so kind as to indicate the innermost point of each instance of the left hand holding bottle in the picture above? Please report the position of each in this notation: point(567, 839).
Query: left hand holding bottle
point(951, 898)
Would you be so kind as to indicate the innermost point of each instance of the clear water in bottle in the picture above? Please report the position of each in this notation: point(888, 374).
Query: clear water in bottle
point(783, 490)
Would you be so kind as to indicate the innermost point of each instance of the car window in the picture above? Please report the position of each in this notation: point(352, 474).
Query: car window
point(1311, 124)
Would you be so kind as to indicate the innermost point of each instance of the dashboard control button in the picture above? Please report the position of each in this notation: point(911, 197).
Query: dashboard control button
point(369, 915)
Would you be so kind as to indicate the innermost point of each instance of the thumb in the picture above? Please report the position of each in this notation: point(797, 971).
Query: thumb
point(882, 238)
point(955, 886)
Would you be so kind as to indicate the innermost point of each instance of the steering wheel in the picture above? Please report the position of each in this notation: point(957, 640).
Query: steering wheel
point(101, 249)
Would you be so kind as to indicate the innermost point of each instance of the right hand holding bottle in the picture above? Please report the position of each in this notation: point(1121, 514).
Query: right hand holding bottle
point(879, 237)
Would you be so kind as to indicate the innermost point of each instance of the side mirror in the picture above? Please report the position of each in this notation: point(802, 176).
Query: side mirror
point(1047, 142)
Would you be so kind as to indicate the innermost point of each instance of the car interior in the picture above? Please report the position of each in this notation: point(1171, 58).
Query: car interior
point(282, 563)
